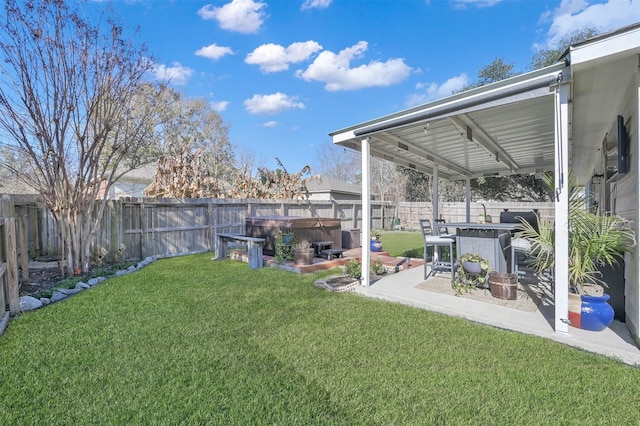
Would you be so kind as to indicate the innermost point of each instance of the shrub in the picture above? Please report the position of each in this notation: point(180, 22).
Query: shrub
point(284, 246)
point(377, 267)
point(354, 269)
point(413, 253)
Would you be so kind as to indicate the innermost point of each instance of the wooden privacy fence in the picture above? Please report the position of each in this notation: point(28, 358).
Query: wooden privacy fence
point(13, 253)
point(171, 227)
point(167, 227)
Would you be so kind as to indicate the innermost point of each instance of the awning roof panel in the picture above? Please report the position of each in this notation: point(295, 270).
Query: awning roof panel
point(502, 136)
point(512, 121)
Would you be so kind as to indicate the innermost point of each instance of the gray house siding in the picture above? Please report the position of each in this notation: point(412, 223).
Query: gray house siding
point(624, 201)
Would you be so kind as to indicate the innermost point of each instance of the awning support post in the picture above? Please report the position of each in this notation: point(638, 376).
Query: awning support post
point(561, 276)
point(366, 212)
point(434, 197)
point(468, 199)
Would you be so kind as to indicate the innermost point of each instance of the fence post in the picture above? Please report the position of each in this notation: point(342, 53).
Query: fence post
point(210, 224)
point(12, 265)
point(143, 231)
point(23, 245)
point(119, 222)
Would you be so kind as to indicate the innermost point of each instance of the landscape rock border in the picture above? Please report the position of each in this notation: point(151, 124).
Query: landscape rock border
point(325, 284)
point(29, 303)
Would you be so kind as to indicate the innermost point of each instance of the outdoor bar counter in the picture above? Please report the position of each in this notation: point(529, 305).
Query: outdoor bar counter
point(489, 240)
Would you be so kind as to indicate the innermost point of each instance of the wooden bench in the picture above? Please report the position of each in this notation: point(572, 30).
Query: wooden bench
point(254, 248)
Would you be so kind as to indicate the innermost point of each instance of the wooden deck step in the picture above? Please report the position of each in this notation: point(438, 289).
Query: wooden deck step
point(330, 254)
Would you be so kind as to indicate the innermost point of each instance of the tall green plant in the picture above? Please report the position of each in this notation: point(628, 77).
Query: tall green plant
point(594, 240)
point(285, 244)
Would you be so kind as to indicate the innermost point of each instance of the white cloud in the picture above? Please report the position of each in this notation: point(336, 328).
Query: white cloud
point(334, 70)
point(270, 124)
point(176, 74)
point(315, 4)
point(219, 106)
point(213, 51)
point(431, 91)
point(462, 4)
point(273, 57)
point(243, 16)
point(271, 104)
point(573, 15)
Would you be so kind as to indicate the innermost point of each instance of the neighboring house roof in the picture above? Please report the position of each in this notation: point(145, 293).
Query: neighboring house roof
point(144, 174)
point(132, 183)
point(327, 184)
point(12, 185)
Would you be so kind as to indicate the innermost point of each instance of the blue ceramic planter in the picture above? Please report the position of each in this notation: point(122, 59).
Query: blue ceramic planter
point(375, 245)
point(287, 239)
point(595, 313)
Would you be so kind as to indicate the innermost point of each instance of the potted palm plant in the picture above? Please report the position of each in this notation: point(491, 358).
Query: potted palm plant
point(594, 241)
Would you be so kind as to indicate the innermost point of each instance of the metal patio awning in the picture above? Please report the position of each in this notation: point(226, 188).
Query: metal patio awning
point(508, 127)
point(501, 129)
point(553, 119)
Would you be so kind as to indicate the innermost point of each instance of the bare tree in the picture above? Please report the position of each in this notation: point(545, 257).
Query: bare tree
point(68, 93)
point(195, 125)
point(246, 162)
point(387, 182)
point(339, 163)
point(197, 160)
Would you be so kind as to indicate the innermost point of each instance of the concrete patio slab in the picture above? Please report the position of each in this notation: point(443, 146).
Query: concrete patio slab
point(615, 341)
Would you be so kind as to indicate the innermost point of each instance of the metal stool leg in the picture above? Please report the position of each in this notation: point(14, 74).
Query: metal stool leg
point(424, 256)
point(435, 260)
point(452, 262)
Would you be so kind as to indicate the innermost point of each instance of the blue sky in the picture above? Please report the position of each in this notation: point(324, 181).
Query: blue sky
point(283, 74)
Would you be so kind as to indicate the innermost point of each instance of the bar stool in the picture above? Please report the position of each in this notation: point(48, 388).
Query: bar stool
point(446, 230)
point(432, 239)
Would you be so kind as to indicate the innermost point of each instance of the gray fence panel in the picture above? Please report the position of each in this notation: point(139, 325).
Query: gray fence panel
point(168, 227)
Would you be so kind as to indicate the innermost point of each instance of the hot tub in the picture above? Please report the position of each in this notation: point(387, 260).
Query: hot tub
point(303, 228)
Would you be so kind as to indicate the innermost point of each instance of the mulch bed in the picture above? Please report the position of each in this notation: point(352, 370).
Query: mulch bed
point(41, 278)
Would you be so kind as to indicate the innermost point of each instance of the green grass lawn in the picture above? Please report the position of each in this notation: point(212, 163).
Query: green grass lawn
point(191, 341)
point(403, 243)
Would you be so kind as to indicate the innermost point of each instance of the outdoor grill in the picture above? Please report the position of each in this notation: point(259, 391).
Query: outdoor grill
point(514, 217)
